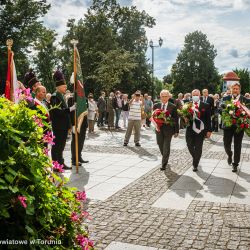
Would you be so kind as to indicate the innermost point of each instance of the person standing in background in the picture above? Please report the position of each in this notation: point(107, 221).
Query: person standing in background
point(117, 104)
point(125, 110)
point(92, 111)
point(101, 104)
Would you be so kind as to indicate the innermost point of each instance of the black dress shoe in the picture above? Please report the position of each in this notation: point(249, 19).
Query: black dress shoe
point(83, 161)
point(234, 167)
point(229, 160)
point(66, 167)
point(79, 163)
point(125, 144)
point(163, 168)
point(195, 169)
point(137, 144)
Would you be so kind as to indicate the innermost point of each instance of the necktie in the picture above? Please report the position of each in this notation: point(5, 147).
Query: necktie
point(205, 99)
point(163, 107)
point(196, 105)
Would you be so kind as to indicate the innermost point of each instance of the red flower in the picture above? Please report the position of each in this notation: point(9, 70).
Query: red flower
point(246, 125)
point(190, 111)
point(234, 121)
point(238, 113)
point(242, 125)
point(167, 113)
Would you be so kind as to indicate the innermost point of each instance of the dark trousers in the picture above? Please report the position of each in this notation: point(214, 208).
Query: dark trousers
point(229, 134)
point(117, 117)
point(215, 122)
point(163, 139)
point(101, 118)
point(148, 122)
point(194, 144)
point(81, 139)
point(60, 141)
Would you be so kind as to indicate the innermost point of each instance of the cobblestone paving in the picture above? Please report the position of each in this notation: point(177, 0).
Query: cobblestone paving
point(128, 215)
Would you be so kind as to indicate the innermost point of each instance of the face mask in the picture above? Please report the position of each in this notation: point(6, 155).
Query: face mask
point(196, 98)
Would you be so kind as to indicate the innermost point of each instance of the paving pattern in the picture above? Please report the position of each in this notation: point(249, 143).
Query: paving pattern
point(207, 210)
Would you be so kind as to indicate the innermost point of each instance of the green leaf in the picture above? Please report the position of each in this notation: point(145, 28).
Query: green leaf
point(9, 178)
point(14, 189)
point(4, 212)
point(29, 229)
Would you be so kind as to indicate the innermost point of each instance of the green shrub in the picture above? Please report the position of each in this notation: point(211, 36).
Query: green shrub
point(34, 203)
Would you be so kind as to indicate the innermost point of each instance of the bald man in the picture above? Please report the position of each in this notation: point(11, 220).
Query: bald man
point(199, 128)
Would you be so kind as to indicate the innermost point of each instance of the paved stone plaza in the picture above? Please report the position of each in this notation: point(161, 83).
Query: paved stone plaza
point(135, 206)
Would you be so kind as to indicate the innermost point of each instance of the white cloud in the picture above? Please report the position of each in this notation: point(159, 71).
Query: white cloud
point(224, 21)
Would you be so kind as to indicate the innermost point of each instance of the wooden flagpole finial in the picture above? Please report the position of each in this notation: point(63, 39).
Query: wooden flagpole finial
point(9, 43)
point(74, 42)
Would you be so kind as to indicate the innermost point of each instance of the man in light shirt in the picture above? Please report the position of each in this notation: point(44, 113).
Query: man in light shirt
point(134, 119)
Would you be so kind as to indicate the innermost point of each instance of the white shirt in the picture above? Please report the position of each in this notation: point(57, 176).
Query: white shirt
point(236, 98)
point(205, 98)
point(166, 106)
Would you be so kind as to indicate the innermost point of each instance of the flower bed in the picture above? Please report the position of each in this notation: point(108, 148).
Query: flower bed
point(35, 203)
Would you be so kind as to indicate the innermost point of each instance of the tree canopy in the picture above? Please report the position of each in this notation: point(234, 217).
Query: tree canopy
point(194, 66)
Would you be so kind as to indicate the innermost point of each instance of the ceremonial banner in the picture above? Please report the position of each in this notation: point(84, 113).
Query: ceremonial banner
point(11, 79)
point(81, 101)
point(7, 92)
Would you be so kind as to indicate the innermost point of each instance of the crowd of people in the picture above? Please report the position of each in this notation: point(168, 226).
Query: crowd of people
point(118, 110)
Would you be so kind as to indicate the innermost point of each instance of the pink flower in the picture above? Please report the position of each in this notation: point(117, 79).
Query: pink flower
point(74, 216)
point(85, 214)
point(48, 138)
point(81, 196)
point(22, 200)
point(58, 166)
point(84, 242)
point(46, 151)
point(27, 94)
point(38, 121)
point(17, 93)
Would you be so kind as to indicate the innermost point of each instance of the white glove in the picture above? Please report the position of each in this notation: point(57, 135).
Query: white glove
point(72, 108)
point(73, 129)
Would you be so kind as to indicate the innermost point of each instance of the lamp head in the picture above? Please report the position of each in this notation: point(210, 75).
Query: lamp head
point(160, 41)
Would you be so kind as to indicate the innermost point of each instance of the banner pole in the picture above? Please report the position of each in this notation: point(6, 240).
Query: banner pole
point(74, 42)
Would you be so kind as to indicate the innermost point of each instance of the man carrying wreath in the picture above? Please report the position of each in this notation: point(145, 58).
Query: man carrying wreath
point(198, 127)
point(233, 121)
point(166, 119)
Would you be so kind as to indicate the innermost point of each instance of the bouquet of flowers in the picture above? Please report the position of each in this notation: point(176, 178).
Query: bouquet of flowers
point(187, 113)
point(236, 114)
point(160, 117)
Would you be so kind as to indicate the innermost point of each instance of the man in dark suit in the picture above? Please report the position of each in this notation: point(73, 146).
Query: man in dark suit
point(198, 129)
point(208, 99)
point(230, 132)
point(60, 118)
point(164, 136)
point(81, 136)
point(101, 104)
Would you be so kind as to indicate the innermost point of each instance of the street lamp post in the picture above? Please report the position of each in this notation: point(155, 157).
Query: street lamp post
point(152, 46)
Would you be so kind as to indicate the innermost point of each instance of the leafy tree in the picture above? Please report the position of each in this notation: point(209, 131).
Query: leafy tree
point(112, 66)
point(244, 76)
point(109, 31)
point(20, 20)
point(168, 79)
point(46, 58)
point(194, 66)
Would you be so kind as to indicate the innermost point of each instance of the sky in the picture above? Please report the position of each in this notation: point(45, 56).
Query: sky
point(225, 22)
